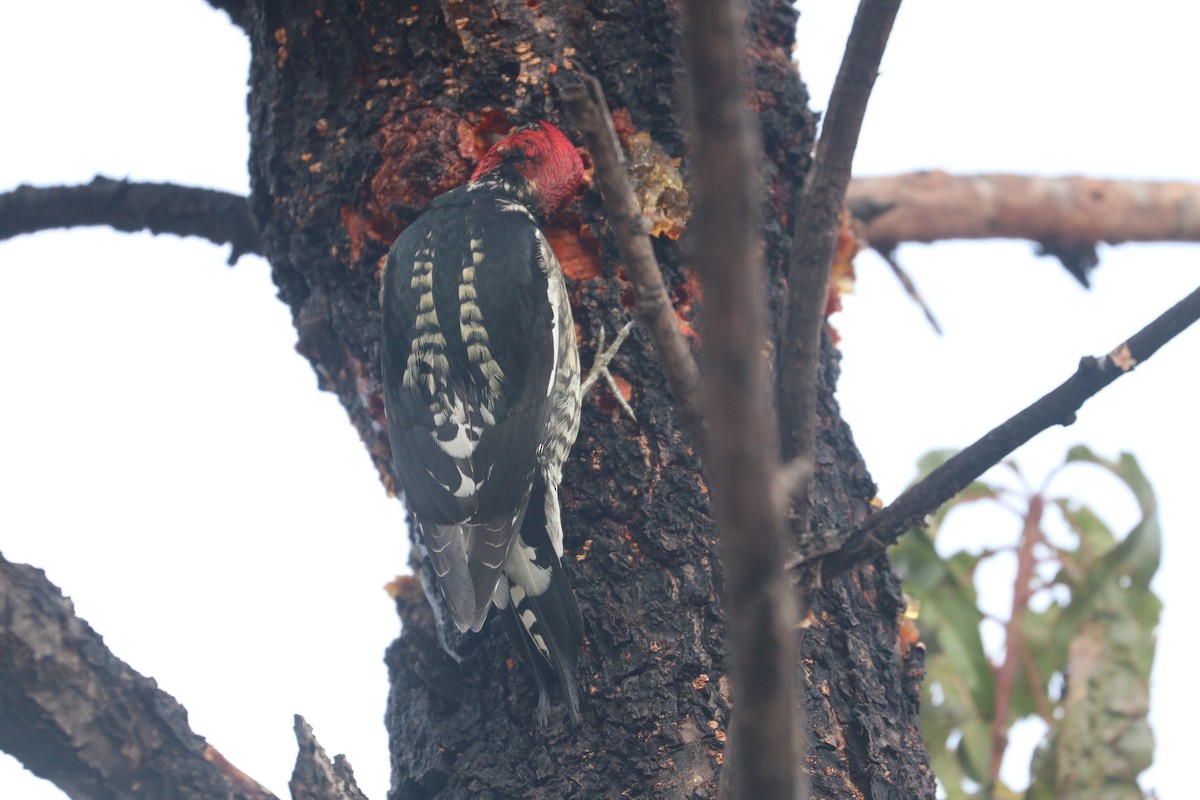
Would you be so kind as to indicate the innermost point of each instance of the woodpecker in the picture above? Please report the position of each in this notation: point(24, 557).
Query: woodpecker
point(482, 393)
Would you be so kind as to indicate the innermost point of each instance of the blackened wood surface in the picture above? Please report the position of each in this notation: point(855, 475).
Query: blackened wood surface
point(361, 113)
point(73, 713)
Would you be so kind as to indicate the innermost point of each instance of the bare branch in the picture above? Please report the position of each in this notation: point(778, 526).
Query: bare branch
point(815, 237)
point(76, 715)
point(911, 290)
point(763, 755)
point(585, 106)
point(1056, 408)
point(1068, 215)
point(220, 217)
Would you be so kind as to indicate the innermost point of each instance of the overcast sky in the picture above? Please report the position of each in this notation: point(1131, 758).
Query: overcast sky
point(166, 457)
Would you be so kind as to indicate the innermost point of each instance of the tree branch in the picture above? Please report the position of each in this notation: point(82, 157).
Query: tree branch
point(815, 236)
point(1068, 216)
point(220, 217)
point(585, 106)
point(1056, 408)
point(76, 715)
point(763, 755)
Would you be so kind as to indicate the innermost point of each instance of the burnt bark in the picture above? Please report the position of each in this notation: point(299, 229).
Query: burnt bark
point(360, 115)
point(75, 714)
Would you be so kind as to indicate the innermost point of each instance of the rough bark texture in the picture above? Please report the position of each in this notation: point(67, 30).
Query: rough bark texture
point(75, 714)
point(360, 115)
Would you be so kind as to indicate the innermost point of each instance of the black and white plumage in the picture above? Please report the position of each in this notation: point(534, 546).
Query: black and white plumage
point(481, 386)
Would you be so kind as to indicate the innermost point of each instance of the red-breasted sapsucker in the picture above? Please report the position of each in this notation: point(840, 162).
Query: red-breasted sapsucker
point(481, 385)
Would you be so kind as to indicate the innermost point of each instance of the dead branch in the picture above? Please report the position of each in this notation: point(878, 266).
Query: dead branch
point(1056, 408)
point(763, 754)
point(1067, 216)
point(815, 236)
point(76, 715)
point(585, 105)
point(220, 217)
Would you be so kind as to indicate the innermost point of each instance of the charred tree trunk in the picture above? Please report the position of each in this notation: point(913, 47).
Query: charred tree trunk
point(363, 113)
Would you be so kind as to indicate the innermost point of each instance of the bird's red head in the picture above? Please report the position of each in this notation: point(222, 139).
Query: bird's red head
point(542, 158)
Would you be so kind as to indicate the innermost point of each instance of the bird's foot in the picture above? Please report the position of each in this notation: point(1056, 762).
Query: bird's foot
point(600, 368)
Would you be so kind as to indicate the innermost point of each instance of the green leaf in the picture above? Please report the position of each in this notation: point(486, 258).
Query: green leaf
point(949, 618)
point(1136, 558)
point(933, 459)
point(976, 490)
point(1101, 638)
point(974, 750)
point(1095, 537)
point(1043, 769)
point(1046, 646)
point(939, 721)
point(1103, 739)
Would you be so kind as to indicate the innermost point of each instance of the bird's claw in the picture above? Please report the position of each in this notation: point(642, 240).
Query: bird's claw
point(600, 367)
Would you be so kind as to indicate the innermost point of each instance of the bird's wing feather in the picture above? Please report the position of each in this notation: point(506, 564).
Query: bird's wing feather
point(468, 358)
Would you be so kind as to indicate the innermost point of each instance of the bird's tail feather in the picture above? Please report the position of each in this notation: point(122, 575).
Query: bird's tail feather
point(443, 544)
point(543, 620)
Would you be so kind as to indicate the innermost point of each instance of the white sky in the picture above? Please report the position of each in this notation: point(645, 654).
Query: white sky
point(166, 458)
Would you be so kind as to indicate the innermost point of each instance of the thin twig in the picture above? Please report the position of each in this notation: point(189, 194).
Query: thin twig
point(910, 288)
point(762, 758)
point(815, 236)
point(1056, 408)
point(220, 217)
point(588, 112)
